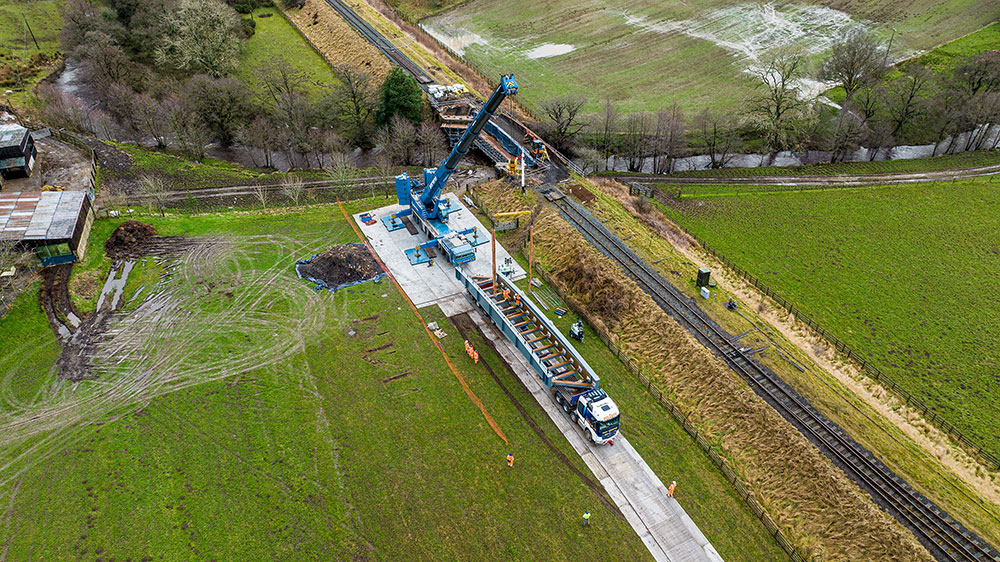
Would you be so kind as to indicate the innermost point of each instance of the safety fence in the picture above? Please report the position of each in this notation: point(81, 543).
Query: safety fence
point(667, 403)
point(863, 363)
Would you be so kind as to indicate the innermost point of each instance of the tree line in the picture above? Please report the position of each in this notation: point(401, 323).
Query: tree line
point(883, 106)
point(162, 73)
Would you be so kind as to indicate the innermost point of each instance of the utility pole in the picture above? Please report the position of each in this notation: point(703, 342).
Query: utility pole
point(885, 59)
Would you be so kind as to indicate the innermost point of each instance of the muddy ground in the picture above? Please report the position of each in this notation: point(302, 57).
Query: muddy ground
point(347, 263)
point(130, 240)
point(58, 164)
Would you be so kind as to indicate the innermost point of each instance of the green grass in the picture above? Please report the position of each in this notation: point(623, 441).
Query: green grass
point(26, 327)
point(663, 64)
point(944, 58)
point(922, 469)
point(275, 37)
point(703, 491)
point(899, 273)
point(17, 48)
point(416, 10)
point(313, 455)
point(184, 173)
point(945, 162)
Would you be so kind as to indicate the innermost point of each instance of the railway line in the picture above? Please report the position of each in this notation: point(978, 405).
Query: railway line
point(210, 194)
point(380, 42)
point(946, 539)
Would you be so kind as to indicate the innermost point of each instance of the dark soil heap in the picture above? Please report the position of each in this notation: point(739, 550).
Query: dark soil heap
point(130, 240)
point(342, 264)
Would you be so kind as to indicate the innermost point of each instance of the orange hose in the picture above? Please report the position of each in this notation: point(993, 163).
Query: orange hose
point(468, 391)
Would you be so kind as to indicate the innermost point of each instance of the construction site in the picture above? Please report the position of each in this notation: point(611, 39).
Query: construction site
point(499, 355)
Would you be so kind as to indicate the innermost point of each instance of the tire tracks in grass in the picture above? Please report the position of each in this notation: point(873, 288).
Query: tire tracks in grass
point(466, 327)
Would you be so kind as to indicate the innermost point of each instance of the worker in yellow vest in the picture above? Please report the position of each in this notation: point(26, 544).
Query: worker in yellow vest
point(586, 518)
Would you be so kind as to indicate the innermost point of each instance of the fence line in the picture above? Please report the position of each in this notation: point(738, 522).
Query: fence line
point(970, 446)
point(667, 403)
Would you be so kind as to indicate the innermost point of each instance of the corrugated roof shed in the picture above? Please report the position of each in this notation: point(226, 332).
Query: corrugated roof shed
point(12, 135)
point(49, 215)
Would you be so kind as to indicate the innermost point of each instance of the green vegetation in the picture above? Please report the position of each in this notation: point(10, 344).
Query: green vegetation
point(826, 392)
point(22, 63)
point(702, 69)
point(275, 37)
point(185, 173)
point(898, 273)
point(274, 409)
point(943, 59)
point(416, 10)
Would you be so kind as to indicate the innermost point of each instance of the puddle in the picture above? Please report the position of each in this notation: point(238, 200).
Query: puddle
point(549, 50)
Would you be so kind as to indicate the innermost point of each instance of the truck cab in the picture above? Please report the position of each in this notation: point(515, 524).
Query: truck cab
point(594, 411)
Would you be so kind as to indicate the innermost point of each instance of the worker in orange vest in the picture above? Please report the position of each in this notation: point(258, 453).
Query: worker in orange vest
point(670, 490)
point(506, 294)
point(518, 300)
point(475, 357)
point(510, 460)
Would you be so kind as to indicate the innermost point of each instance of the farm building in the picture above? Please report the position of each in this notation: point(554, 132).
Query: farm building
point(55, 224)
point(17, 151)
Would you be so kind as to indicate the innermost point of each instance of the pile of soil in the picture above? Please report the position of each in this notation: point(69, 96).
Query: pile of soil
point(342, 264)
point(130, 240)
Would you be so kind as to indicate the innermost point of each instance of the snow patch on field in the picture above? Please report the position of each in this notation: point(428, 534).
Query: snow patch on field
point(549, 50)
point(752, 30)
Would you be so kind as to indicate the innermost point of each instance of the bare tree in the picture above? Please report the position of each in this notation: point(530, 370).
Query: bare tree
point(223, 104)
point(150, 118)
point(260, 135)
point(399, 141)
point(635, 143)
point(430, 144)
point(592, 159)
point(903, 97)
point(563, 114)
point(867, 100)
point(292, 188)
point(846, 133)
point(104, 61)
point(325, 141)
point(340, 169)
point(779, 100)
point(856, 59)
point(717, 133)
point(879, 137)
point(979, 73)
point(261, 194)
point(353, 102)
point(154, 190)
point(607, 122)
point(201, 35)
point(189, 131)
point(11, 256)
point(669, 140)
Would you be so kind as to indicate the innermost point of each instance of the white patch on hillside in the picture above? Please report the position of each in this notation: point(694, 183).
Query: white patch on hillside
point(455, 38)
point(549, 50)
point(751, 31)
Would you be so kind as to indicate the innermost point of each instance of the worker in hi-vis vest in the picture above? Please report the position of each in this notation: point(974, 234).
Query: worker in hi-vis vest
point(586, 518)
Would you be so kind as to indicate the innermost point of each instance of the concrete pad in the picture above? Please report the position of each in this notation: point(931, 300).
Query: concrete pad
point(659, 521)
point(429, 285)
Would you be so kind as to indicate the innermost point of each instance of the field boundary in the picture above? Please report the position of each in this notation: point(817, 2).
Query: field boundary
point(721, 462)
point(865, 365)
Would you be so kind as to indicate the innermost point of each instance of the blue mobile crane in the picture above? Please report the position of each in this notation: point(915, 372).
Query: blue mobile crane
point(423, 201)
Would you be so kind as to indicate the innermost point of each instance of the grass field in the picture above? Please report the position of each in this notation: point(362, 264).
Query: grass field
point(902, 274)
point(253, 418)
point(945, 57)
point(416, 10)
point(692, 53)
point(19, 54)
point(275, 37)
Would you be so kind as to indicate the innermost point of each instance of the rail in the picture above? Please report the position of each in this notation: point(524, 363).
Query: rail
point(971, 447)
point(945, 538)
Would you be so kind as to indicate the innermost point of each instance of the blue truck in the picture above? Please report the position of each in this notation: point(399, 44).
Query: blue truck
point(573, 383)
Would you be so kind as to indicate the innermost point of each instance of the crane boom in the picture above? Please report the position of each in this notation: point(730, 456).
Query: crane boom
point(507, 87)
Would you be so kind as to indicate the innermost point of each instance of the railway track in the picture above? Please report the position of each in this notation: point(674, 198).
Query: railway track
point(217, 193)
point(946, 539)
point(380, 42)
